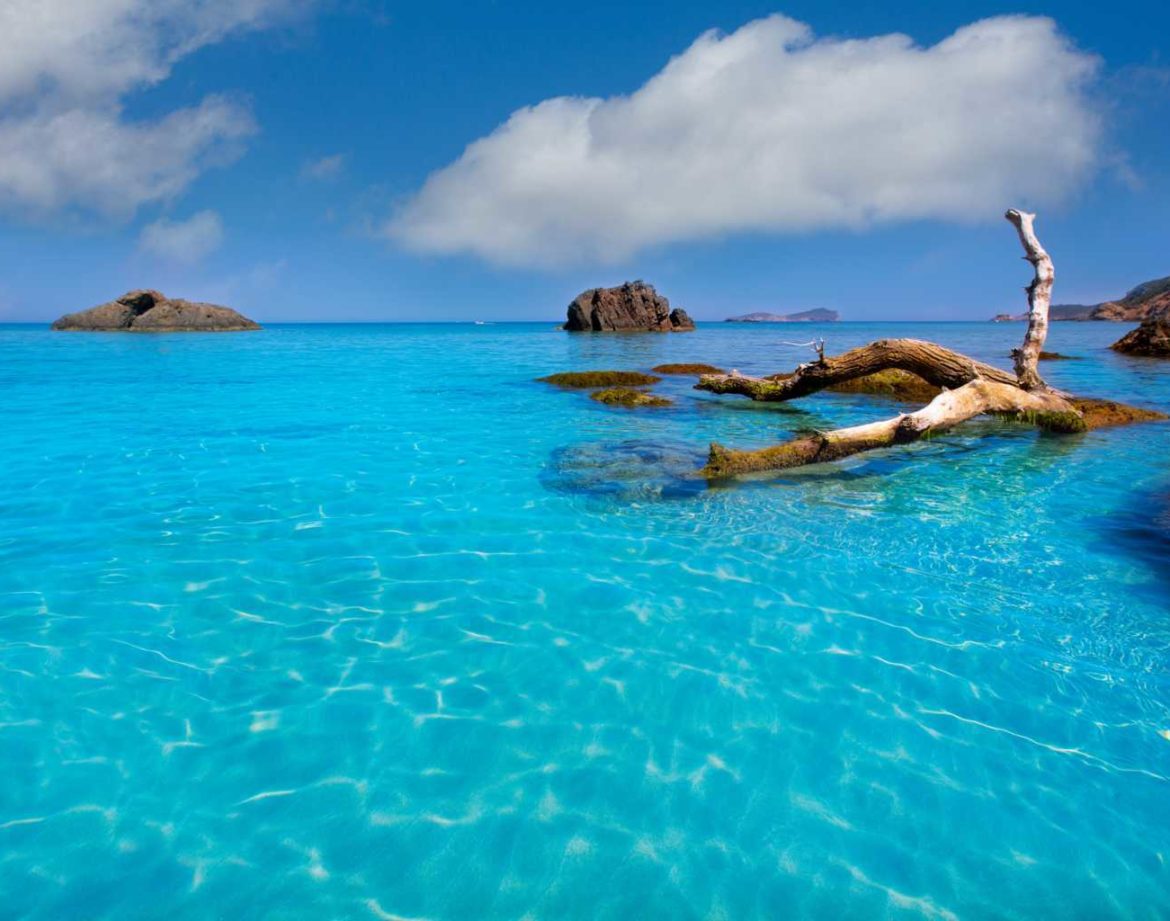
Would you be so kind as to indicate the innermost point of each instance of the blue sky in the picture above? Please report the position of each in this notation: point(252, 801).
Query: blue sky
point(274, 155)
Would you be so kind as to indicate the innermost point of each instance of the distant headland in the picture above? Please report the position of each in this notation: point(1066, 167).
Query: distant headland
point(152, 312)
point(818, 315)
point(1148, 300)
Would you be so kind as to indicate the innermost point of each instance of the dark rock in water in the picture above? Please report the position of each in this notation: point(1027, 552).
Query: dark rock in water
point(150, 311)
point(819, 315)
point(1143, 532)
point(629, 307)
point(1152, 338)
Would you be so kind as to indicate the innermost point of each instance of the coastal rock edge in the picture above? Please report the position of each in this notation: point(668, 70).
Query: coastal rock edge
point(1151, 339)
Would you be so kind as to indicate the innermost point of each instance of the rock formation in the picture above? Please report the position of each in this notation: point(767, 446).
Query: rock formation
point(818, 315)
point(1148, 300)
point(150, 311)
point(1152, 339)
point(629, 307)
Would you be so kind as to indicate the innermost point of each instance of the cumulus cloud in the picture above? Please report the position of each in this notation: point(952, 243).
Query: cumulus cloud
point(186, 241)
point(66, 68)
point(325, 168)
point(772, 129)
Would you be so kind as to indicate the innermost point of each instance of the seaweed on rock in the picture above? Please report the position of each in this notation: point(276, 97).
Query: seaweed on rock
point(692, 367)
point(587, 380)
point(628, 396)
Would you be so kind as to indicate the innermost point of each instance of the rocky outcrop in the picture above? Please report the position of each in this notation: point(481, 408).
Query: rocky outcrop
point(150, 311)
point(629, 307)
point(818, 315)
point(1152, 339)
point(1149, 299)
point(1146, 301)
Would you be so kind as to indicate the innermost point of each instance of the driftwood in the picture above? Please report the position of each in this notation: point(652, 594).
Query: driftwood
point(1027, 356)
point(969, 388)
point(933, 363)
point(944, 412)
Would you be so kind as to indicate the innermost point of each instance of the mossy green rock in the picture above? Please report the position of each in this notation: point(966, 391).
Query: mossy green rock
point(585, 380)
point(693, 367)
point(627, 396)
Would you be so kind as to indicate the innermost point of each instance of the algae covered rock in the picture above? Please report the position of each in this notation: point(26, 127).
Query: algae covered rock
point(630, 307)
point(1104, 413)
point(150, 311)
point(628, 396)
point(586, 380)
point(692, 367)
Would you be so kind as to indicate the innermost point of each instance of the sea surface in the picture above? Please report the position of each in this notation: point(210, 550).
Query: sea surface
point(363, 622)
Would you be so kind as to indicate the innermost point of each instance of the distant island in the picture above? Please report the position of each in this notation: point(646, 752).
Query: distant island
point(148, 311)
point(1148, 300)
point(818, 315)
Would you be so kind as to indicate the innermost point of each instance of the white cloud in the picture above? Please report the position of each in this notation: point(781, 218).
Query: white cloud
point(771, 129)
point(325, 168)
point(186, 241)
point(66, 68)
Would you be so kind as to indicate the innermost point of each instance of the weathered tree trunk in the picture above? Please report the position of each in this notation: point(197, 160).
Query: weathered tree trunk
point(970, 388)
point(1027, 357)
point(933, 363)
point(1046, 409)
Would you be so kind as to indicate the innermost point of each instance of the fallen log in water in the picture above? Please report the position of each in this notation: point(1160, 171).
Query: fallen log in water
point(935, 364)
point(969, 388)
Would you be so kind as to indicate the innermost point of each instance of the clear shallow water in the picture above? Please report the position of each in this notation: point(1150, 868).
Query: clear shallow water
point(362, 622)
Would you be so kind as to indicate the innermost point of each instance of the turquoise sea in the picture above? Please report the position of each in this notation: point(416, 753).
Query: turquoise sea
point(362, 622)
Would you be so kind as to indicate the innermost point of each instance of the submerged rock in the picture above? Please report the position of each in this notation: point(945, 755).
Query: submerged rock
point(1152, 338)
point(150, 311)
point(629, 307)
point(628, 396)
point(585, 380)
point(626, 471)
